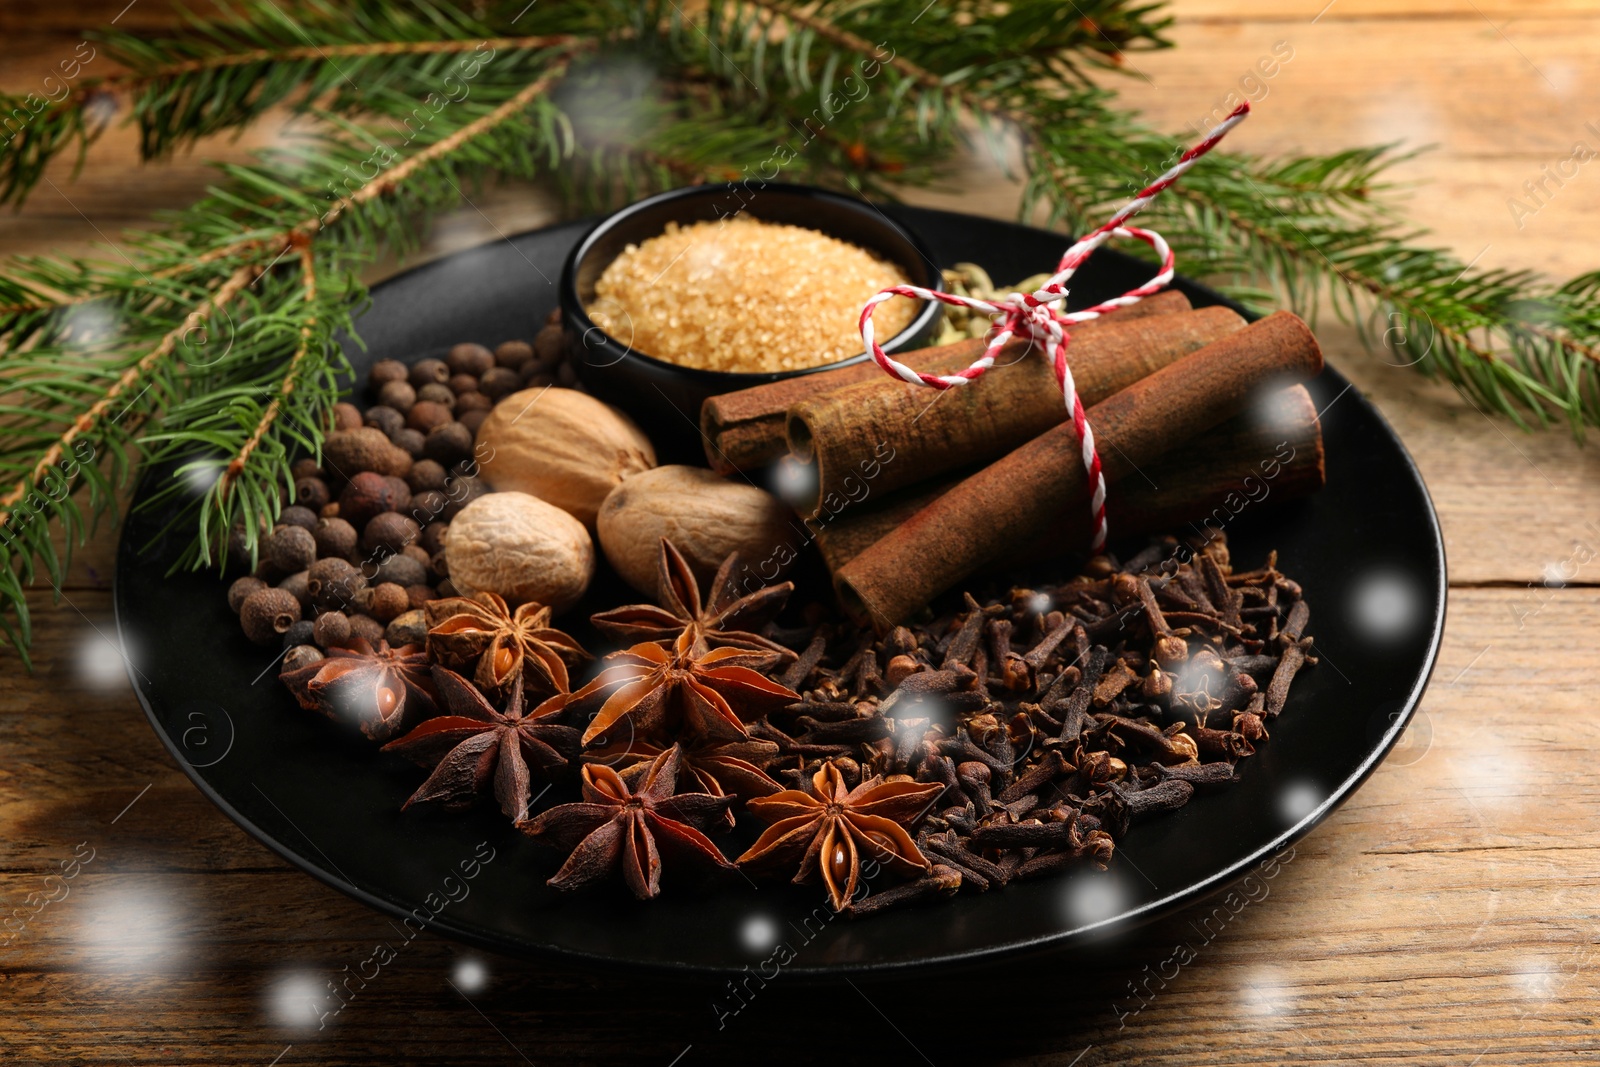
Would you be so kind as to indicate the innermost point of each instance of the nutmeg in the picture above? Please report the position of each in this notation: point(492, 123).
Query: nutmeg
point(520, 547)
point(707, 517)
point(564, 447)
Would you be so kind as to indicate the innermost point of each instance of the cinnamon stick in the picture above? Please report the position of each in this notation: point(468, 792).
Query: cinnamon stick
point(1271, 454)
point(744, 430)
point(894, 434)
point(1016, 500)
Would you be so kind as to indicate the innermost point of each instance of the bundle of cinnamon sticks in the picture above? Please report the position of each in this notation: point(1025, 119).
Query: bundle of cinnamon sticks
point(1197, 415)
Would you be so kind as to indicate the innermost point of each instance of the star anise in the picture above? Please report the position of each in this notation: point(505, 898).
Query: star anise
point(699, 693)
point(618, 826)
point(377, 689)
point(732, 768)
point(483, 633)
point(827, 828)
point(722, 619)
point(472, 747)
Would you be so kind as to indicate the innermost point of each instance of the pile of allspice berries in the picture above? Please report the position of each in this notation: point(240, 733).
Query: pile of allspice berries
point(359, 545)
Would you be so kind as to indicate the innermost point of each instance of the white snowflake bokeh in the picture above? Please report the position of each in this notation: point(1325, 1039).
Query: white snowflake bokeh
point(795, 482)
point(1385, 605)
point(1298, 800)
point(759, 933)
point(470, 975)
point(1094, 898)
point(102, 660)
point(295, 1000)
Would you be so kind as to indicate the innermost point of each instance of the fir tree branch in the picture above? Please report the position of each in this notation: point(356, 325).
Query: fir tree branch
point(131, 377)
point(291, 376)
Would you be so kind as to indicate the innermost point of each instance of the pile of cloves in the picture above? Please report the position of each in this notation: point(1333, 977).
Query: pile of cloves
point(1055, 717)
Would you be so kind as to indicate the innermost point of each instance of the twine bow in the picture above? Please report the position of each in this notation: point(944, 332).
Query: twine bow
point(1040, 315)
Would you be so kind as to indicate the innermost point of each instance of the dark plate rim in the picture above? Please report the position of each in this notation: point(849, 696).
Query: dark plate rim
point(899, 968)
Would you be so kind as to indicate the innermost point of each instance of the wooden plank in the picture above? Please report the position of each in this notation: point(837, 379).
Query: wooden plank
point(1305, 11)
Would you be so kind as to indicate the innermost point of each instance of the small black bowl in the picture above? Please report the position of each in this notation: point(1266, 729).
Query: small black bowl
point(664, 397)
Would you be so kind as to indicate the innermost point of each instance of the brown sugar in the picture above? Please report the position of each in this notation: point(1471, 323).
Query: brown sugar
point(746, 296)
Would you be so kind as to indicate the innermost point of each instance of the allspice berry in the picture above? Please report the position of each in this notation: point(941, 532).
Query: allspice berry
point(398, 395)
point(513, 354)
point(299, 584)
point(439, 393)
point(267, 615)
point(298, 634)
point(366, 448)
point(401, 491)
point(402, 569)
point(298, 515)
point(428, 505)
point(368, 494)
point(407, 628)
point(389, 532)
point(305, 467)
point(419, 595)
point(290, 548)
point(433, 536)
point(499, 382)
point(346, 416)
point(387, 370)
point(333, 584)
point(332, 628)
point(426, 371)
point(461, 492)
point(335, 538)
point(386, 601)
point(240, 591)
point(475, 401)
point(448, 444)
point(472, 420)
point(366, 629)
point(469, 358)
point(312, 492)
point(411, 441)
point(426, 474)
point(463, 383)
point(300, 656)
point(427, 414)
point(549, 347)
point(387, 419)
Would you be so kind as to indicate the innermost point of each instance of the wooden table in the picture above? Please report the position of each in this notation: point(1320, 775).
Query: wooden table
point(1448, 914)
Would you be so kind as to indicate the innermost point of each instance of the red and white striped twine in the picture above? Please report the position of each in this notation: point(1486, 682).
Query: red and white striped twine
point(1039, 315)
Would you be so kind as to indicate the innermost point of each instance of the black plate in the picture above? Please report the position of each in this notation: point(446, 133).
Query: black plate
point(1367, 551)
